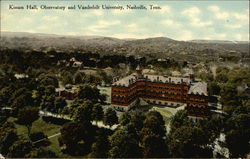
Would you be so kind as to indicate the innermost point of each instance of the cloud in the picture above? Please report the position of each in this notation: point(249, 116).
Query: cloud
point(185, 35)
point(193, 15)
point(218, 13)
point(137, 35)
point(105, 24)
point(191, 12)
point(221, 36)
point(233, 26)
point(72, 33)
point(214, 8)
point(50, 18)
point(26, 20)
point(4, 16)
point(244, 17)
point(134, 28)
point(196, 22)
point(170, 23)
point(102, 25)
point(97, 12)
point(238, 37)
point(121, 12)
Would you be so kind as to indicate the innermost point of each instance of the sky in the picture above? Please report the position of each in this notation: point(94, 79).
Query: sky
point(179, 20)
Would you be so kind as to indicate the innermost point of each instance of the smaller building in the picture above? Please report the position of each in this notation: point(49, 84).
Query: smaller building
point(77, 64)
point(68, 92)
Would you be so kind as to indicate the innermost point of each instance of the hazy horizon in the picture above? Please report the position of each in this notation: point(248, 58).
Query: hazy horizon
point(96, 36)
point(188, 20)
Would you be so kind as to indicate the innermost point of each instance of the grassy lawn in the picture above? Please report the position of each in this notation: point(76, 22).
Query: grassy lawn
point(45, 127)
point(166, 115)
point(164, 112)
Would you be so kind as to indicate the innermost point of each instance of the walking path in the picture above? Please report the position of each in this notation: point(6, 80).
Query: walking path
point(52, 136)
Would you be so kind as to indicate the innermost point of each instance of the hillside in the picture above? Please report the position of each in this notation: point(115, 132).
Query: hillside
point(151, 47)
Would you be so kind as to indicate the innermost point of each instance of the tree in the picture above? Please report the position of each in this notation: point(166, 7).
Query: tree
point(214, 88)
point(3, 116)
point(103, 76)
point(189, 142)
point(76, 138)
point(67, 78)
point(81, 111)
point(90, 93)
point(153, 136)
point(221, 78)
point(5, 95)
point(229, 98)
point(20, 148)
point(18, 103)
point(125, 118)
point(110, 117)
point(154, 146)
point(27, 116)
point(22, 92)
point(178, 120)
point(49, 90)
point(237, 133)
point(123, 145)
point(8, 135)
point(212, 126)
point(48, 79)
point(47, 103)
point(59, 105)
point(154, 123)
point(41, 137)
point(100, 147)
point(78, 77)
point(41, 152)
point(97, 112)
point(137, 119)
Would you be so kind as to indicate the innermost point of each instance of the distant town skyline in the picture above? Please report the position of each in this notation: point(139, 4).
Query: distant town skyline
point(179, 20)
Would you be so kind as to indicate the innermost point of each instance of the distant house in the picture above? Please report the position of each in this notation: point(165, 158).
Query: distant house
point(72, 59)
point(108, 70)
point(21, 76)
point(77, 64)
point(176, 73)
point(203, 70)
point(148, 71)
point(69, 92)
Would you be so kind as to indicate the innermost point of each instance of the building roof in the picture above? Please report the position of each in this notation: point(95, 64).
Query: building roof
point(126, 81)
point(148, 71)
point(188, 72)
point(198, 88)
point(175, 80)
point(19, 76)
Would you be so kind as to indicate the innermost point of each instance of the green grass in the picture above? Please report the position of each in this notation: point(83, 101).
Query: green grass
point(164, 112)
point(45, 127)
point(166, 115)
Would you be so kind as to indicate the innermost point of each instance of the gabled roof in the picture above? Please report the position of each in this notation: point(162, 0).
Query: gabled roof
point(199, 88)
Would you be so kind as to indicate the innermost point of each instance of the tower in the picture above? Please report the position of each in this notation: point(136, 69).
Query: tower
point(138, 70)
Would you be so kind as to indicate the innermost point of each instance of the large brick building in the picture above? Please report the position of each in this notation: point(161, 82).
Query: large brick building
point(161, 90)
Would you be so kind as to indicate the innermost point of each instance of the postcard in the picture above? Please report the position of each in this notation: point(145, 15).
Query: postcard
point(124, 79)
